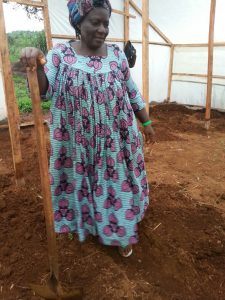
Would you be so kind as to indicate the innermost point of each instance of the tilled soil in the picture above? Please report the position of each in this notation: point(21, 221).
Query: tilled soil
point(181, 253)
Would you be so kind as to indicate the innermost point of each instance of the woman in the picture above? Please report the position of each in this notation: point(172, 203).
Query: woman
point(98, 179)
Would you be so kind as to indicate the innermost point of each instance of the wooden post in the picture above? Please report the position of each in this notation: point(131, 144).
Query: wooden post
point(10, 98)
point(47, 25)
point(210, 64)
point(170, 73)
point(126, 20)
point(145, 51)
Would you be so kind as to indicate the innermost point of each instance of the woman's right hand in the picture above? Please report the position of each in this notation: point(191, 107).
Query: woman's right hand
point(32, 57)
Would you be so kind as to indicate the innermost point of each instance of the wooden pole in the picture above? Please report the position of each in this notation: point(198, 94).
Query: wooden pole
point(114, 40)
point(44, 173)
point(199, 75)
point(170, 73)
point(27, 2)
point(116, 11)
point(198, 82)
point(145, 51)
point(10, 98)
point(126, 20)
point(217, 44)
point(210, 63)
point(47, 25)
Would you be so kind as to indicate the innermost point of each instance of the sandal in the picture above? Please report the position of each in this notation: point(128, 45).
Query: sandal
point(126, 251)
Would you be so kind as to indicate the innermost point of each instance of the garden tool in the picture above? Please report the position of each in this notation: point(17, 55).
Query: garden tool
point(53, 290)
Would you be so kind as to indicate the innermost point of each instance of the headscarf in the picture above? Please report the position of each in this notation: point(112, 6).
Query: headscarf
point(78, 9)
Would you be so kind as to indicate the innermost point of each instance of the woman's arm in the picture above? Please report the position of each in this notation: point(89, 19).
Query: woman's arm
point(142, 115)
point(137, 101)
point(34, 59)
point(149, 132)
point(42, 80)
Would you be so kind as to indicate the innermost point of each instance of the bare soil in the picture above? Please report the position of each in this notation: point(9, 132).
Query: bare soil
point(181, 253)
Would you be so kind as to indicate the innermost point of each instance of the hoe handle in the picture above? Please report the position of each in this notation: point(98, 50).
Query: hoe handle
point(44, 173)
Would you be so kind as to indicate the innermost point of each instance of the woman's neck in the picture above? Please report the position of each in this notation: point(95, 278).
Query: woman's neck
point(82, 49)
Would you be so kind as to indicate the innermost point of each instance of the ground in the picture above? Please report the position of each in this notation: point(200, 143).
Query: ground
point(181, 253)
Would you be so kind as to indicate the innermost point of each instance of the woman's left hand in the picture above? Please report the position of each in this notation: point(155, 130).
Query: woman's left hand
point(149, 134)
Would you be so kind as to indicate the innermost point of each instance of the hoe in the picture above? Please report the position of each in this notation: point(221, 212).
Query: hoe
point(53, 290)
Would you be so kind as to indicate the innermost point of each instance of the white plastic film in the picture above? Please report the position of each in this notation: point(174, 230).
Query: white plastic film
point(59, 18)
point(158, 72)
point(185, 91)
point(219, 32)
point(183, 21)
point(3, 113)
point(135, 25)
point(190, 60)
point(219, 61)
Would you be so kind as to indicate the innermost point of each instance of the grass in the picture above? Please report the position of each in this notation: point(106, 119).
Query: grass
point(22, 95)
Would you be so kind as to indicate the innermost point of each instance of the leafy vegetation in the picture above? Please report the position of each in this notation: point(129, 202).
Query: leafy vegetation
point(20, 39)
point(22, 95)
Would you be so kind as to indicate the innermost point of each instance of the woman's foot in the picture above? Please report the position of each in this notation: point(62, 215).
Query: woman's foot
point(126, 251)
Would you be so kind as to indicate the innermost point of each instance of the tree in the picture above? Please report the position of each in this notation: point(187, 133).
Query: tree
point(32, 11)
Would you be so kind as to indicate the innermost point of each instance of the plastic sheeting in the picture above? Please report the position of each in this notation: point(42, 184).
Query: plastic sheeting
point(192, 93)
point(183, 21)
point(158, 77)
point(2, 99)
point(187, 21)
point(192, 89)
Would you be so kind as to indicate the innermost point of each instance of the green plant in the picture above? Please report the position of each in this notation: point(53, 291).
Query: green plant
point(24, 105)
point(70, 236)
point(22, 95)
point(20, 39)
point(46, 105)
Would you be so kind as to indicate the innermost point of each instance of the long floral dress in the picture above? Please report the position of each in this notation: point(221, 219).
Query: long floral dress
point(98, 180)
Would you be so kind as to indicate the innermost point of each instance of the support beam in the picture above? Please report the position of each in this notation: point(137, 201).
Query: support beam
point(217, 44)
point(210, 63)
point(113, 40)
point(126, 20)
point(157, 30)
point(198, 82)
point(27, 2)
point(127, 14)
point(47, 25)
point(199, 75)
point(145, 52)
point(190, 74)
point(11, 104)
point(159, 44)
point(170, 73)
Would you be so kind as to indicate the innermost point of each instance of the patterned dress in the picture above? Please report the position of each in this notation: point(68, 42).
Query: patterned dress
point(97, 174)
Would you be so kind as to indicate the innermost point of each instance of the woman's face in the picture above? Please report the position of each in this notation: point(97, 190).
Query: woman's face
point(95, 28)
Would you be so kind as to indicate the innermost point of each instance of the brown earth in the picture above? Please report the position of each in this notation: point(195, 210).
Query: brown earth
point(181, 253)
